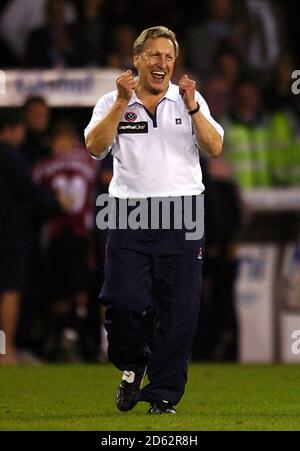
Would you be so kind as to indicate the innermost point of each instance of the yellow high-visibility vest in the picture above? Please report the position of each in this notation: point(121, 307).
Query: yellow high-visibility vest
point(246, 150)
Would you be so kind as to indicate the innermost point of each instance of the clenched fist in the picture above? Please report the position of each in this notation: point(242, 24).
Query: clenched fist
point(125, 85)
point(187, 89)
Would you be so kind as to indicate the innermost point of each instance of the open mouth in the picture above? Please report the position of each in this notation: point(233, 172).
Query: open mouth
point(158, 75)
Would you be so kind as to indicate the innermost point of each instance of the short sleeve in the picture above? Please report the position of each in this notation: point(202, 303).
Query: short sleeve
point(102, 107)
point(205, 111)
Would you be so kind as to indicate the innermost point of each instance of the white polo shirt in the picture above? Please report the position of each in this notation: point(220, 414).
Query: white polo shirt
point(154, 155)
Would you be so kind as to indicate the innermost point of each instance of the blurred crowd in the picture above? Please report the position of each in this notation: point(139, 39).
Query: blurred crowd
point(242, 54)
point(50, 267)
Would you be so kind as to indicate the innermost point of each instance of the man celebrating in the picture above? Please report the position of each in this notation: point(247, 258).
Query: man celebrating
point(154, 130)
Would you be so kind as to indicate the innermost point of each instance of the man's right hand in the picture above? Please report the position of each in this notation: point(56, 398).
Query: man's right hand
point(102, 135)
point(125, 85)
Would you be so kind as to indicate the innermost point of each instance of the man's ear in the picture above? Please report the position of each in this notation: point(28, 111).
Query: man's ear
point(136, 61)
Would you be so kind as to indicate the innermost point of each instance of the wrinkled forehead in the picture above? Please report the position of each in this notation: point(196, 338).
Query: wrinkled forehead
point(160, 44)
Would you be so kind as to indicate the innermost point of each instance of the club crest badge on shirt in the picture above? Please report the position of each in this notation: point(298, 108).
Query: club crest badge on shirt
point(130, 116)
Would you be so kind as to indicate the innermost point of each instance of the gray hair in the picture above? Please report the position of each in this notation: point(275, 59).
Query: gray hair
point(153, 33)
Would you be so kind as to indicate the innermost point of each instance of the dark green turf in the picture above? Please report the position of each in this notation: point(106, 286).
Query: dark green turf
point(218, 397)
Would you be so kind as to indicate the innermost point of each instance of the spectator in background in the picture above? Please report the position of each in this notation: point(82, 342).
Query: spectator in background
point(181, 68)
point(219, 88)
point(88, 34)
point(119, 54)
point(205, 40)
point(142, 14)
point(15, 188)
point(262, 38)
point(292, 29)
point(105, 174)
point(118, 12)
point(278, 94)
point(7, 56)
point(156, 11)
point(52, 45)
point(284, 124)
point(217, 337)
point(247, 146)
point(20, 17)
point(37, 118)
point(69, 172)
point(18, 198)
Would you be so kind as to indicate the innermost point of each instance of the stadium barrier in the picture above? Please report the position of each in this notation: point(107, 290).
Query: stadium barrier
point(61, 88)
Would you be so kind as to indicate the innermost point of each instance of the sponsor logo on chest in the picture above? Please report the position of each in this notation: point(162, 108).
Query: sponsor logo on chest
point(137, 127)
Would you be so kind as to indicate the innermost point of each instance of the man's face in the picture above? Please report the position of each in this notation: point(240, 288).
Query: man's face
point(155, 64)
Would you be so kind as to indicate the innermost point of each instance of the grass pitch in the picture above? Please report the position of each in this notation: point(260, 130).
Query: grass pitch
point(218, 397)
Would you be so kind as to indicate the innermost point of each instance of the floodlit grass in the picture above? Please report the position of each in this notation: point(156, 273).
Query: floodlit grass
point(218, 397)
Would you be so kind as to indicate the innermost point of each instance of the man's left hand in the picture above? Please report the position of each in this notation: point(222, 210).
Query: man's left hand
point(187, 89)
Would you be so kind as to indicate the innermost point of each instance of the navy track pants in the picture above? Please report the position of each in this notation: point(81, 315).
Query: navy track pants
point(152, 275)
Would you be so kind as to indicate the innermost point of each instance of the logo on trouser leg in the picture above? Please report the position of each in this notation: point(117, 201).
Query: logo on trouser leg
point(200, 254)
point(2, 342)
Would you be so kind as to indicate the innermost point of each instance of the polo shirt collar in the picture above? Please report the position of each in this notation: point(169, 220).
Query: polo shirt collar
point(171, 94)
